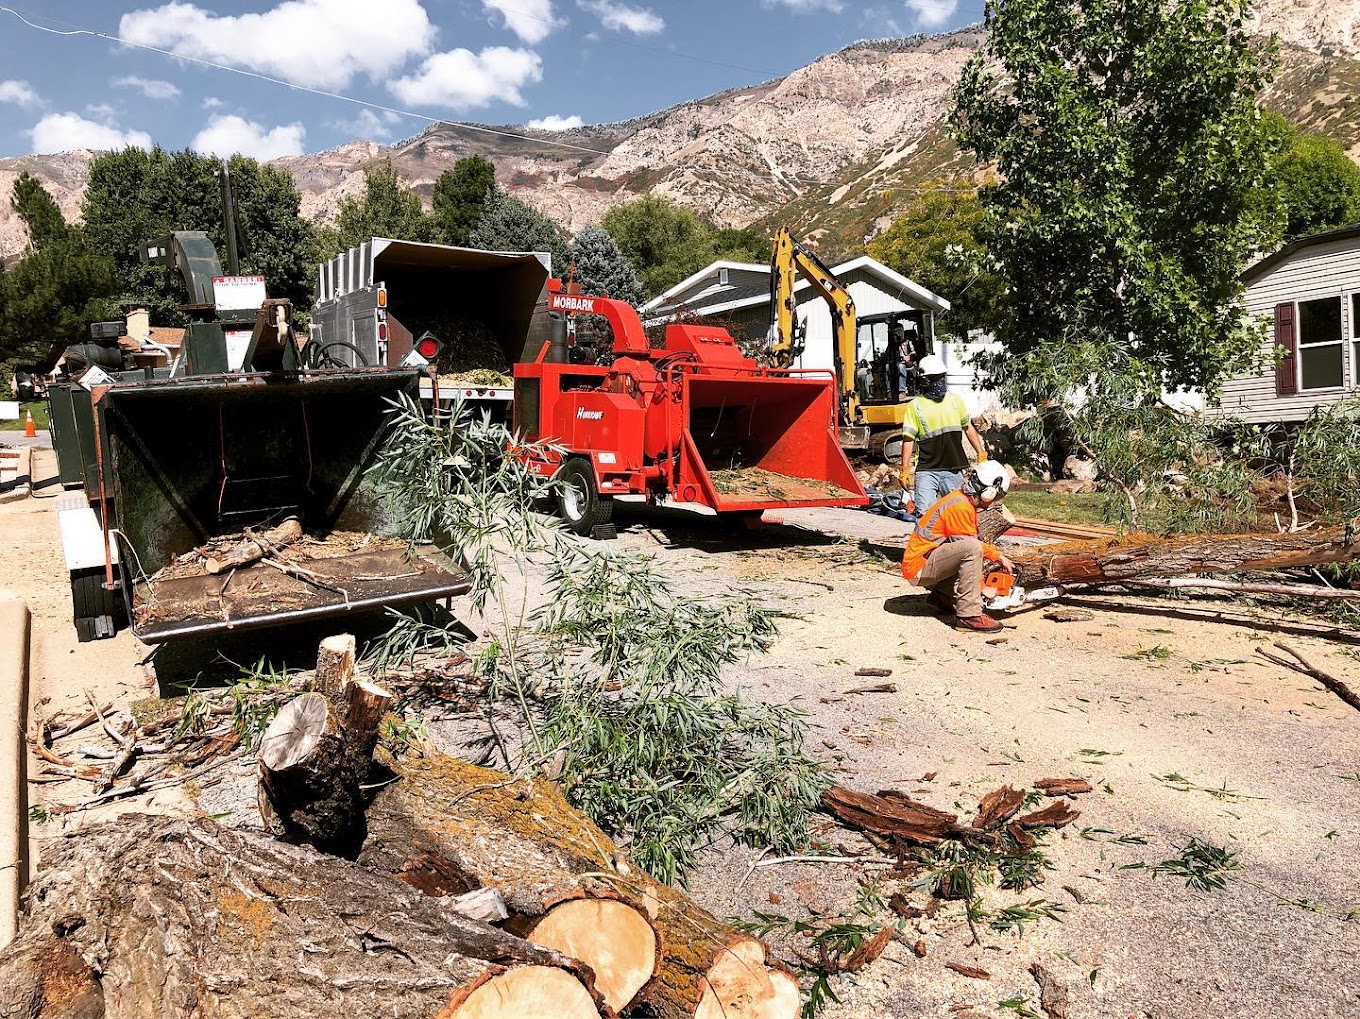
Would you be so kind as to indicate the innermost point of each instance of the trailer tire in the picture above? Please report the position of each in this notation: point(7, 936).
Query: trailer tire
point(579, 501)
point(892, 449)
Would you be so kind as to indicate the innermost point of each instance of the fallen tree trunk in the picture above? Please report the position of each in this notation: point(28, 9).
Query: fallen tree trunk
point(155, 916)
point(568, 887)
point(1136, 556)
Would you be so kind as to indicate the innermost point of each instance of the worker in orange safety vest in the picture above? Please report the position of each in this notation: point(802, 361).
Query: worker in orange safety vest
point(945, 551)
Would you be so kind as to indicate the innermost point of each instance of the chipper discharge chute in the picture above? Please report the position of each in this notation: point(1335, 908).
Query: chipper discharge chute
point(206, 471)
point(694, 421)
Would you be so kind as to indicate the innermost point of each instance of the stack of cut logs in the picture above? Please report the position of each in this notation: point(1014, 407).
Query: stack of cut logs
point(421, 856)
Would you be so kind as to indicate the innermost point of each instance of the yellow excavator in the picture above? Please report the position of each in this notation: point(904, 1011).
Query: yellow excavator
point(865, 352)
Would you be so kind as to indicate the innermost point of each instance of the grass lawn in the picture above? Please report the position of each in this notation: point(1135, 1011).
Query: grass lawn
point(39, 409)
point(1041, 504)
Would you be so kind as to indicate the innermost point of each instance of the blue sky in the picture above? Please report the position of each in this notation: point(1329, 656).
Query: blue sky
point(544, 62)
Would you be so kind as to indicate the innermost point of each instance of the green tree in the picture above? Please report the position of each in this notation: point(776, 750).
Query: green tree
point(40, 213)
point(460, 196)
point(507, 224)
point(134, 196)
point(935, 242)
point(1318, 184)
point(1131, 151)
point(387, 208)
point(601, 268)
point(665, 242)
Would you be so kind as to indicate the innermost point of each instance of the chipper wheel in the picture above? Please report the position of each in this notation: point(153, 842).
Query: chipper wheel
point(579, 501)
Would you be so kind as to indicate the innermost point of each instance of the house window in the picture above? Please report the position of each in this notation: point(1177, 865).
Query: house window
point(1321, 344)
point(1355, 340)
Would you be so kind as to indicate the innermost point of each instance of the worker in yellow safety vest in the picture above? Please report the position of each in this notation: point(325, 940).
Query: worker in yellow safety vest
point(935, 425)
point(945, 552)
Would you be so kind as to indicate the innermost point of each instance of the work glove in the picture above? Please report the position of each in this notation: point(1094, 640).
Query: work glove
point(983, 457)
point(907, 478)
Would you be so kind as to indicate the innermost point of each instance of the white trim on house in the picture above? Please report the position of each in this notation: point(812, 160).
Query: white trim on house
point(703, 274)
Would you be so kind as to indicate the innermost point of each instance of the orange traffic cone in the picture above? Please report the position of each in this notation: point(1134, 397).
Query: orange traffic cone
point(30, 429)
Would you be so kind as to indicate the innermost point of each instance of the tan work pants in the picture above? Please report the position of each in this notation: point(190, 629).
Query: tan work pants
point(957, 562)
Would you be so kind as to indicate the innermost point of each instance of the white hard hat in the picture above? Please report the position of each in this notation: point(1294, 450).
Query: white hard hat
point(989, 481)
point(933, 364)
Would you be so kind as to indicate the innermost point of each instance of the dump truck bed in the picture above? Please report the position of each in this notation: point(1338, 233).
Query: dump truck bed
point(198, 461)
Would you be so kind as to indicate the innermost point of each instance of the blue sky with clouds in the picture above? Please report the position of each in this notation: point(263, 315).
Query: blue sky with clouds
point(550, 63)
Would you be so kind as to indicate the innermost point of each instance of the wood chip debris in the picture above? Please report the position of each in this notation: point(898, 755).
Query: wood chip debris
point(972, 972)
point(1063, 786)
point(1070, 615)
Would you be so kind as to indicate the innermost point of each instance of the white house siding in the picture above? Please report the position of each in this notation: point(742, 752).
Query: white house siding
point(1329, 269)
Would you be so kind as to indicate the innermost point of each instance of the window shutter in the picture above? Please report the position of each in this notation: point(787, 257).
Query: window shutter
point(1286, 339)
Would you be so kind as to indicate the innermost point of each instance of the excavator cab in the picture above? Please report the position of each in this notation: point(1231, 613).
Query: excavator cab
point(888, 349)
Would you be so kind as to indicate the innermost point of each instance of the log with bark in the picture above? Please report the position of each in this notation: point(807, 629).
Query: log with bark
point(993, 522)
point(568, 887)
point(255, 547)
point(157, 916)
point(1142, 556)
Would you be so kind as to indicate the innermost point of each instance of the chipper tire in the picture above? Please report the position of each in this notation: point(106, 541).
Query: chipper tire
point(886, 446)
point(579, 501)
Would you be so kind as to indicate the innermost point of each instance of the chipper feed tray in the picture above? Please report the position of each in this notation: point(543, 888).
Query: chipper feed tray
point(198, 462)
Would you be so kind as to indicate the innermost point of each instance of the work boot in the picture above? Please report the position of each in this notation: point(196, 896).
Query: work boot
point(981, 623)
point(941, 603)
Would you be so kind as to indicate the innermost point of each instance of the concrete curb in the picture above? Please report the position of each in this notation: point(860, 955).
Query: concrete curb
point(14, 861)
point(12, 489)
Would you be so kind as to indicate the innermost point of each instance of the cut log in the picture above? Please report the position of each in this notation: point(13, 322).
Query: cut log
point(890, 814)
point(365, 705)
point(335, 664)
point(993, 522)
point(565, 882)
point(309, 777)
point(1141, 555)
point(157, 916)
point(257, 546)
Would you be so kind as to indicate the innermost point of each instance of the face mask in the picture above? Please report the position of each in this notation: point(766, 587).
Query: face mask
point(937, 388)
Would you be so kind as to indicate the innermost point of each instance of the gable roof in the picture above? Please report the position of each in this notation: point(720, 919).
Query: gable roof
point(746, 297)
point(1254, 272)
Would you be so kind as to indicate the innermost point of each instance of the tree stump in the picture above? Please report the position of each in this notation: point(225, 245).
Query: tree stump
point(309, 777)
point(157, 916)
point(567, 887)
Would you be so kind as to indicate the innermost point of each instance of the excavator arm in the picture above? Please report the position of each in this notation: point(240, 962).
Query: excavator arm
point(788, 261)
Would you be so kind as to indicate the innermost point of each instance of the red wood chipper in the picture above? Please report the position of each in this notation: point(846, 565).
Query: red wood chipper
point(695, 421)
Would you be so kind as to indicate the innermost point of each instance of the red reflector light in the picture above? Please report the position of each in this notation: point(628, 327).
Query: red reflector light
point(428, 349)
point(382, 331)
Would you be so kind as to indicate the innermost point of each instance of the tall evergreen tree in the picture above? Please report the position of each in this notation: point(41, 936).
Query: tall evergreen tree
point(460, 196)
point(507, 224)
point(39, 211)
point(601, 268)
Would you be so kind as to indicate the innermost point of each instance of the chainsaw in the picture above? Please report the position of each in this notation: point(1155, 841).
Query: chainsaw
point(1003, 592)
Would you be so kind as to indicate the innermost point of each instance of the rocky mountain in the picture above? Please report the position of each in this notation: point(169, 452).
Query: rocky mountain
point(833, 148)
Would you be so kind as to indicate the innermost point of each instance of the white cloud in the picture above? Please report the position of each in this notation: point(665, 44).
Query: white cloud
point(61, 132)
point(152, 88)
point(227, 135)
point(556, 123)
point(19, 93)
point(101, 111)
point(619, 17)
point(531, 20)
point(932, 13)
point(316, 43)
point(213, 103)
point(834, 6)
point(369, 126)
point(461, 79)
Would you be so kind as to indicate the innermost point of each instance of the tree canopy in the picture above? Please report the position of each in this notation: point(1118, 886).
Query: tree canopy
point(601, 268)
point(1318, 185)
point(935, 242)
point(666, 243)
point(387, 208)
point(460, 197)
point(1131, 152)
point(134, 196)
point(507, 224)
point(50, 297)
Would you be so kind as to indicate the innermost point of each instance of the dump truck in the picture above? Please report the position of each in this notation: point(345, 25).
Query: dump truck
point(694, 421)
point(174, 470)
point(473, 314)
